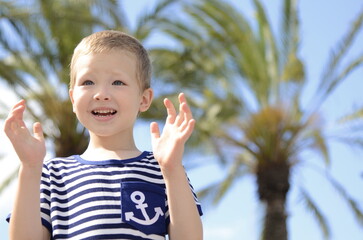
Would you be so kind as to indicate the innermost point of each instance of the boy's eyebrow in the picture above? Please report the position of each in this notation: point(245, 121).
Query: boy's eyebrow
point(120, 75)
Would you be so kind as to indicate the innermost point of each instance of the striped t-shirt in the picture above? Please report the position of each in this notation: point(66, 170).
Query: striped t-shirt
point(113, 199)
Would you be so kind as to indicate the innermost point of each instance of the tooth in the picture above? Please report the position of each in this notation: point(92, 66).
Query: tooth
point(104, 111)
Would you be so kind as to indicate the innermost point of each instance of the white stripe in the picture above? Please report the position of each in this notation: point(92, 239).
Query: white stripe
point(82, 207)
point(45, 216)
point(84, 187)
point(83, 226)
point(130, 232)
point(91, 214)
point(90, 194)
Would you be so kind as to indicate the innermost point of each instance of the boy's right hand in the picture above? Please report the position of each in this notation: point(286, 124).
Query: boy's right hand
point(29, 148)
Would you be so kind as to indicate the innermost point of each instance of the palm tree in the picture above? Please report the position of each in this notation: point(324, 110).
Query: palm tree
point(38, 42)
point(246, 84)
point(36, 45)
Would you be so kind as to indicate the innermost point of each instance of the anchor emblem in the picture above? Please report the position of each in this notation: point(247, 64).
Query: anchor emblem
point(139, 198)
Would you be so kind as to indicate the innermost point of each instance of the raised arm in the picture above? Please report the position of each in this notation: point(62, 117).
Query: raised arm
point(185, 222)
point(25, 222)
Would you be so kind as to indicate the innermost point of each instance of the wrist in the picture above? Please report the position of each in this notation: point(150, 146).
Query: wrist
point(173, 171)
point(30, 170)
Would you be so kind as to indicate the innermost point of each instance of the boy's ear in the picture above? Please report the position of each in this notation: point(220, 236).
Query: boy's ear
point(71, 97)
point(146, 99)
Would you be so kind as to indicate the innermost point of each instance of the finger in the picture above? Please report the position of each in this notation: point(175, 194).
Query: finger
point(18, 113)
point(16, 130)
point(187, 132)
point(20, 103)
point(185, 107)
point(186, 122)
point(154, 130)
point(15, 119)
point(181, 116)
point(17, 110)
point(182, 97)
point(170, 111)
point(38, 131)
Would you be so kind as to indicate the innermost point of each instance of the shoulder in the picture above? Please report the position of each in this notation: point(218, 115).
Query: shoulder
point(60, 162)
point(147, 159)
point(148, 156)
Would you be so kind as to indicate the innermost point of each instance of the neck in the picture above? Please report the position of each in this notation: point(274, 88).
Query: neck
point(115, 147)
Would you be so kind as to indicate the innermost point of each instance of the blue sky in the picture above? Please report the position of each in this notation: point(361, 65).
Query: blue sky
point(239, 216)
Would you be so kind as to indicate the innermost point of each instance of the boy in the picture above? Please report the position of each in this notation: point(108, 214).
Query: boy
point(112, 190)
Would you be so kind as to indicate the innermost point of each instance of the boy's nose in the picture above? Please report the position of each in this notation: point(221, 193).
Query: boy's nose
point(102, 98)
point(102, 95)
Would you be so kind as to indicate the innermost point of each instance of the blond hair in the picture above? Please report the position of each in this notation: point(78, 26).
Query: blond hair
point(109, 40)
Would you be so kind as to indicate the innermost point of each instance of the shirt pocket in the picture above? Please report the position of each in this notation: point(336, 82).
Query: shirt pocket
point(143, 206)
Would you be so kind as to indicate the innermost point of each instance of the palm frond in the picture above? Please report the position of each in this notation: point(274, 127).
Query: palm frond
point(291, 65)
point(225, 25)
point(216, 191)
point(358, 213)
point(268, 44)
point(180, 32)
point(151, 20)
point(289, 29)
point(311, 205)
point(356, 115)
point(319, 144)
point(336, 80)
point(331, 77)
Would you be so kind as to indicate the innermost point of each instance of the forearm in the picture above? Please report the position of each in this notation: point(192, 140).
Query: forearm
point(25, 222)
point(185, 222)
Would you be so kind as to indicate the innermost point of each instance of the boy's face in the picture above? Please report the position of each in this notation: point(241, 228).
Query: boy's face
point(106, 96)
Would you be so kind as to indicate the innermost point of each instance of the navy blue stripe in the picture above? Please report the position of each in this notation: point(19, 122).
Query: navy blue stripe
point(118, 236)
point(103, 173)
point(45, 191)
point(89, 209)
point(92, 199)
point(75, 187)
point(87, 219)
point(90, 190)
point(99, 226)
point(87, 191)
point(44, 175)
point(45, 211)
point(112, 161)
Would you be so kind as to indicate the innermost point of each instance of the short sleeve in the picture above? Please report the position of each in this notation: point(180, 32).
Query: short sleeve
point(199, 206)
point(45, 198)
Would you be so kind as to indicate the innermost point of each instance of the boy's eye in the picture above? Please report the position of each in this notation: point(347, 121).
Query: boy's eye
point(87, 82)
point(118, 83)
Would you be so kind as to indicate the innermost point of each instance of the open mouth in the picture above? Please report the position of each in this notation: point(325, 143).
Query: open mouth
point(104, 113)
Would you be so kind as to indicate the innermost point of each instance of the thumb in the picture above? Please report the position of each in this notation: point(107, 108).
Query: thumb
point(38, 131)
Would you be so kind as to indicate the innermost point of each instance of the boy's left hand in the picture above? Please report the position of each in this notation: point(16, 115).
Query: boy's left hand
point(168, 147)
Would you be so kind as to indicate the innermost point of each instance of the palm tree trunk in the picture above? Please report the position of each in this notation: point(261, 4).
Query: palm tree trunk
point(273, 186)
point(275, 220)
